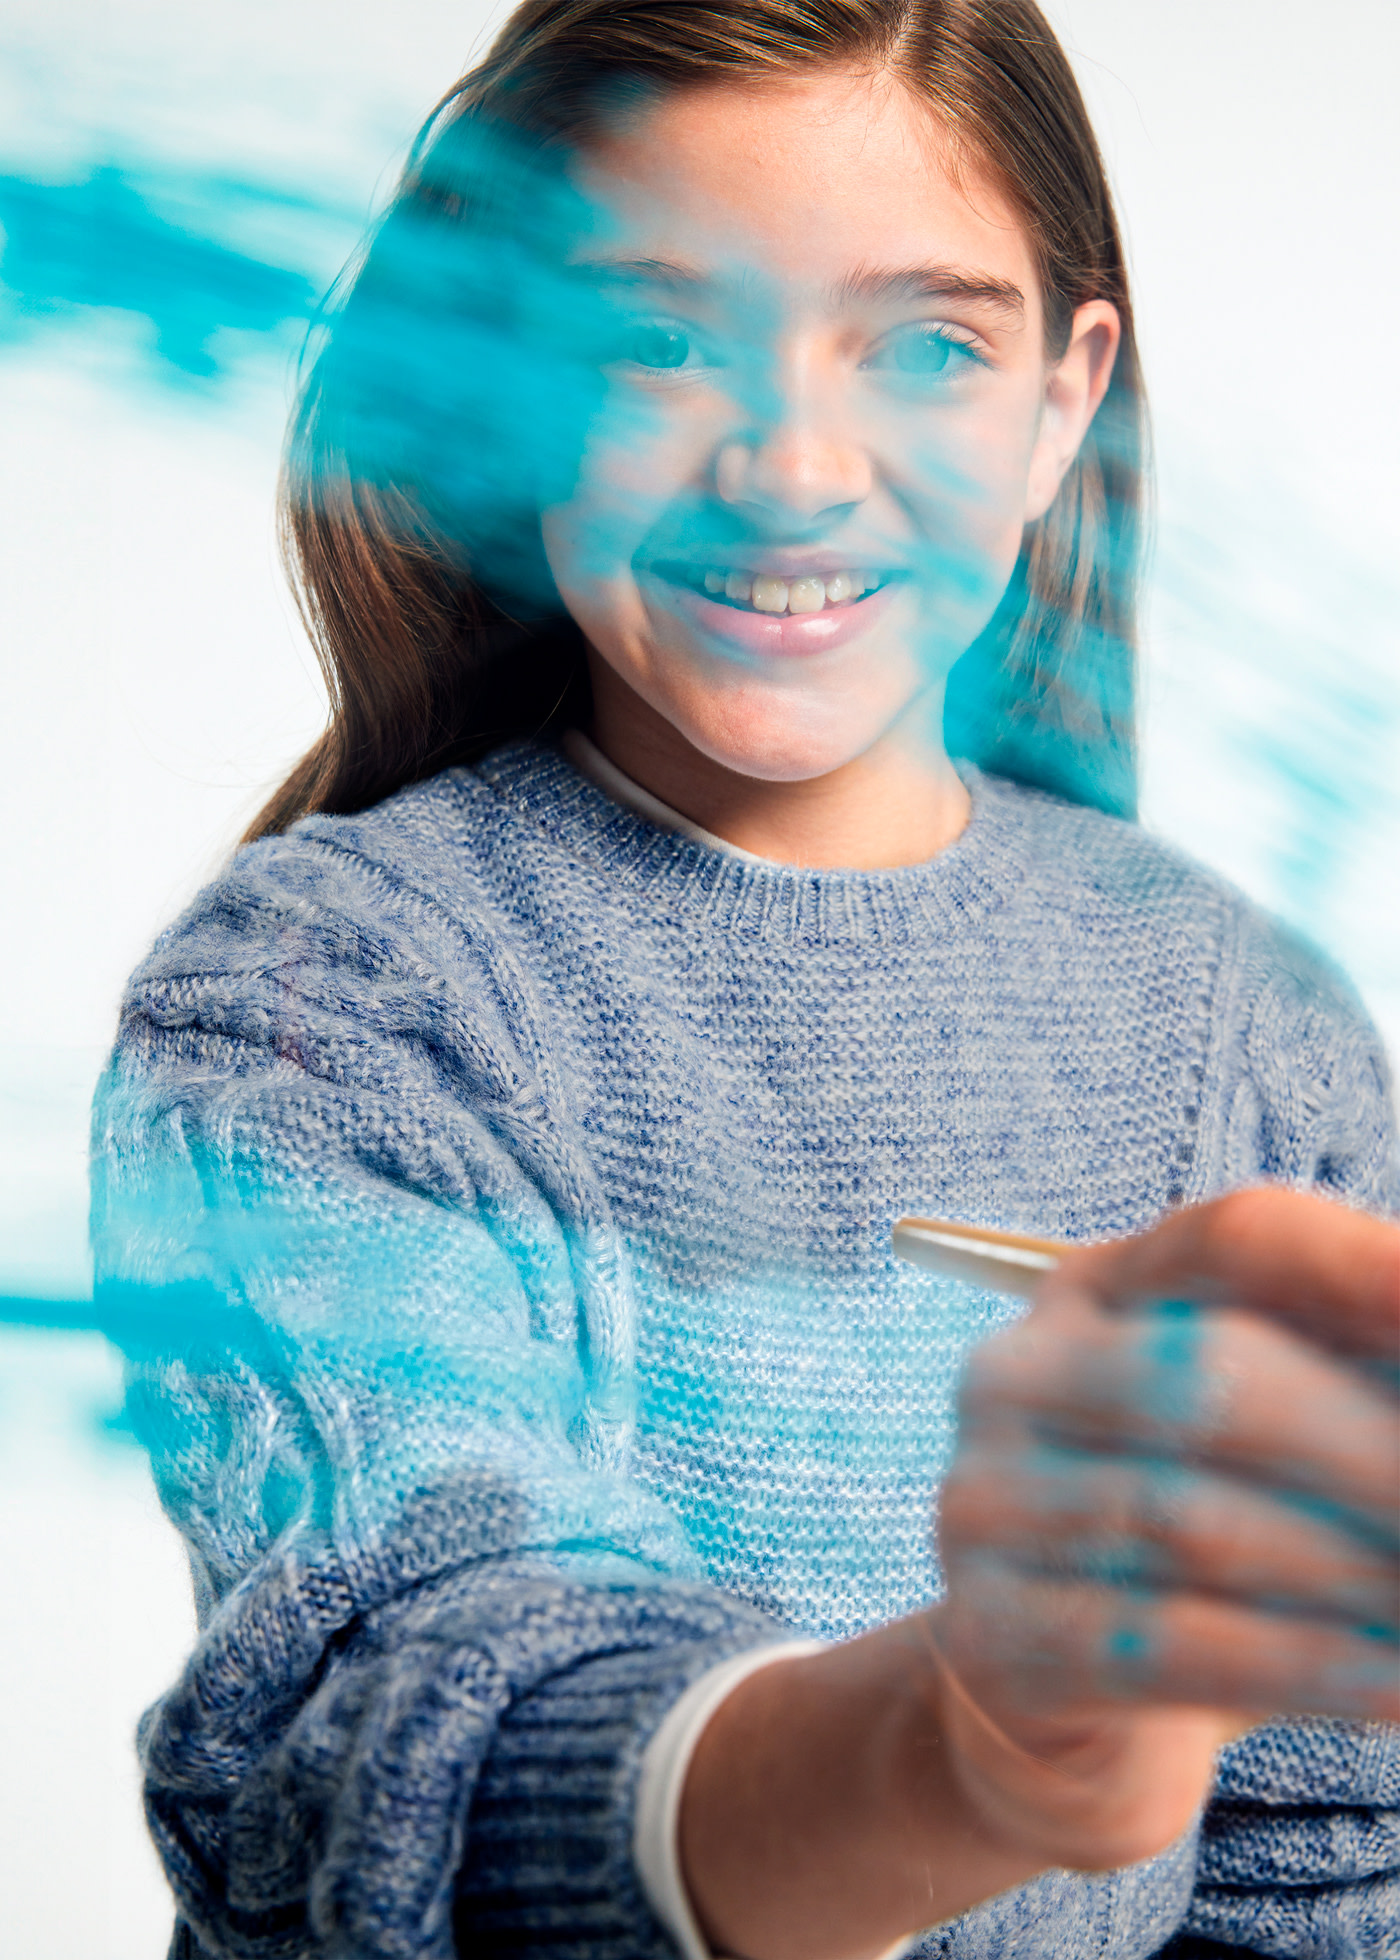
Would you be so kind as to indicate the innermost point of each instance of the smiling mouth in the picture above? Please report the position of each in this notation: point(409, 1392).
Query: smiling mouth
point(760, 592)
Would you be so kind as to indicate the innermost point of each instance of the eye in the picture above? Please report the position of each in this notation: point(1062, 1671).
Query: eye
point(658, 344)
point(925, 352)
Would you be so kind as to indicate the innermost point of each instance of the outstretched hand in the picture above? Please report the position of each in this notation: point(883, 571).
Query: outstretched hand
point(1175, 1510)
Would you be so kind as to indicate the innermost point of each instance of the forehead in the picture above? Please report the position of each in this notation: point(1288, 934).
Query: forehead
point(807, 179)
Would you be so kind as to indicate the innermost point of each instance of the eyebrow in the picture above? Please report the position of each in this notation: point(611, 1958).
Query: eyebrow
point(890, 286)
point(650, 272)
point(874, 285)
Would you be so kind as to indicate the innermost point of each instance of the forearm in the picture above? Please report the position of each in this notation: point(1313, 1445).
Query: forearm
point(822, 1816)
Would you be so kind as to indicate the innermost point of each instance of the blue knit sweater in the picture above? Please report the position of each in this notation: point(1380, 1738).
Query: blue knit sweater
point(493, 1196)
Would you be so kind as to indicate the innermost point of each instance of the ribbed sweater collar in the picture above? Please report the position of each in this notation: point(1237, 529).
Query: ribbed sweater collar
point(689, 881)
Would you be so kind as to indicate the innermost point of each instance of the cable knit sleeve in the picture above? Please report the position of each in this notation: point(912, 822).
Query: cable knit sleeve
point(377, 1328)
point(1300, 1846)
point(1300, 1851)
point(1305, 1091)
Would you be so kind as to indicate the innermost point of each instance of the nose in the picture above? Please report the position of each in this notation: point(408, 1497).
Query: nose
point(795, 462)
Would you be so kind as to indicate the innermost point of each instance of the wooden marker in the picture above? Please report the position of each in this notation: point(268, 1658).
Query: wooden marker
point(1009, 1262)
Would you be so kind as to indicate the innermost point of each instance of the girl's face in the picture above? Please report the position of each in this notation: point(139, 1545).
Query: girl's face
point(828, 417)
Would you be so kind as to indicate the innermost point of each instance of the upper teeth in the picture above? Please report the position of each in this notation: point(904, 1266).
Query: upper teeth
point(779, 595)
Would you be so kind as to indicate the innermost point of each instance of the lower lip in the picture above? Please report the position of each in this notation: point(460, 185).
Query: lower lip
point(776, 636)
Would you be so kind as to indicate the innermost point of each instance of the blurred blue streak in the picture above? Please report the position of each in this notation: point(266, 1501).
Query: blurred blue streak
point(30, 1310)
point(101, 243)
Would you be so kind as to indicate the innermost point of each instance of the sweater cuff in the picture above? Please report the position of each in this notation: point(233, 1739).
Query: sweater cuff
point(548, 1860)
point(655, 1841)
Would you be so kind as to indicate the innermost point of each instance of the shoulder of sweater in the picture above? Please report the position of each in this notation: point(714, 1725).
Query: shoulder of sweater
point(380, 923)
point(1279, 989)
point(345, 888)
point(1298, 1072)
point(1079, 849)
point(1077, 853)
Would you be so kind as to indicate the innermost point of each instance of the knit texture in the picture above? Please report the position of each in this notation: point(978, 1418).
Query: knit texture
point(493, 1195)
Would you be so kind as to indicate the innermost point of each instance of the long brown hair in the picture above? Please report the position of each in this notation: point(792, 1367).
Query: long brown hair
point(426, 666)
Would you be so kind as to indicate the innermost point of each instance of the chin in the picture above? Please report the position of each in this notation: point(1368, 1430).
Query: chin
point(776, 738)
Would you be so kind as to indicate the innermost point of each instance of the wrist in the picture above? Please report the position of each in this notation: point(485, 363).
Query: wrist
point(1087, 1791)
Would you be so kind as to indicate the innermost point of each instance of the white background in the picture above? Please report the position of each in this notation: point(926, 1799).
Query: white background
point(156, 682)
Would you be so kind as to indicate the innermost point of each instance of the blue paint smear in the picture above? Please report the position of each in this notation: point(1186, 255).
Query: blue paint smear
point(101, 244)
point(34, 1310)
point(1126, 1643)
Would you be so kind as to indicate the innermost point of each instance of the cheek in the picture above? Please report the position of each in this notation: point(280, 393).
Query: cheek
point(969, 463)
point(589, 560)
point(987, 474)
point(965, 483)
point(638, 461)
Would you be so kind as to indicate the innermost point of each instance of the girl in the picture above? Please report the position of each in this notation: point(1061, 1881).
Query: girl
point(736, 417)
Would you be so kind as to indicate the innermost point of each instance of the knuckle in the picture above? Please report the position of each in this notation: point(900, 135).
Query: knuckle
point(1242, 1217)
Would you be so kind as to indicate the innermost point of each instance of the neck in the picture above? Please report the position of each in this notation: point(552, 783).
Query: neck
point(898, 803)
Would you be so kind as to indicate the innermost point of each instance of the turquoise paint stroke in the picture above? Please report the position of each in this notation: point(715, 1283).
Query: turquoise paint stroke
point(99, 243)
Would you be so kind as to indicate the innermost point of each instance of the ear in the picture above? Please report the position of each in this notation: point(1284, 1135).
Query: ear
point(1074, 387)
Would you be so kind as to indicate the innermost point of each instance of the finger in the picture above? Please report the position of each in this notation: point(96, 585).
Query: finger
point(1210, 1386)
point(1159, 1525)
point(1331, 1272)
point(1034, 1645)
